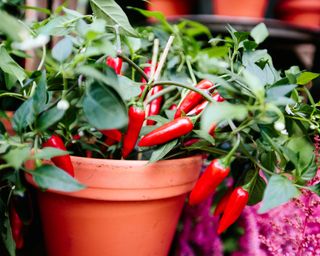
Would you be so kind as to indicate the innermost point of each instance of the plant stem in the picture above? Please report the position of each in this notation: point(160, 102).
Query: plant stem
point(134, 65)
point(194, 80)
point(161, 93)
point(154, 59)
point(189, 87)
point(163, 58)
point(14, 95)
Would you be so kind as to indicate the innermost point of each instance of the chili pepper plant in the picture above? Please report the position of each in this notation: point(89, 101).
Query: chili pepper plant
point(154, 92)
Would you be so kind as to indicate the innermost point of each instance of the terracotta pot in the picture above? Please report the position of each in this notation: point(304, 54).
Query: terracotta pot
point(170, 7)
point(246, 8)
point(304, 13)
point(128, 207)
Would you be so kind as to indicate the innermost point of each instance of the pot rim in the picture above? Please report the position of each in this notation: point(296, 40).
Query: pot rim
point(132, 180)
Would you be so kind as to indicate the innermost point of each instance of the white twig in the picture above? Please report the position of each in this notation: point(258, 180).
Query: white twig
point(163, 58)
point(154, 59)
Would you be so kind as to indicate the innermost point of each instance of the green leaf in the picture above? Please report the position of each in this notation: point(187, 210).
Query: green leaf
point(279, 91)
point(257, 188)
point(162, 151)
point(259, 33)
point(52, 177)
point(8, 65)
point(11, 27)
point(49, 118)
point(254, 82)
point(154, 14)
point(216, 51)
point(62, 50)
point(48, 152)
point(279, 191)
point(6, 234)
point(222, 111)
point(205, 135)
point(40, 94)
point(17, 156)
point(110, 11)
point(23, 116)
point(306, 77)
point(310, 170)
point(109, 78)
point(127, 88)
point(103, 107)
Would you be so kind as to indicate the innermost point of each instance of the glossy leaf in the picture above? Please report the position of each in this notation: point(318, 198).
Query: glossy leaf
point(279, 191)
point(306, 77)
point(162, 151)
point(52, 177)
point(222, 111)
point(62, 50)
point(49, 118)
point(17, 156)
point(110, 11)
point(259, 33)
point(104, 108)
point(9, 66)
point(48, 152)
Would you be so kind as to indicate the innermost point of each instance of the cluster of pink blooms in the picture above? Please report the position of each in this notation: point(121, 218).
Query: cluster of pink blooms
point(292, 229)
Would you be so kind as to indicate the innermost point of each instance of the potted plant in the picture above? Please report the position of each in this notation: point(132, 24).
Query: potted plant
point(249, 119)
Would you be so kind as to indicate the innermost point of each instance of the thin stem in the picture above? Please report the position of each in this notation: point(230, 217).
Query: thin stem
point(154, 59)
point(134, 65)
point(194, 80)
point(161, 93)
point(118, 41)
point(189, 87)
point(44, 53)
point(163, 57)
point(14, 95)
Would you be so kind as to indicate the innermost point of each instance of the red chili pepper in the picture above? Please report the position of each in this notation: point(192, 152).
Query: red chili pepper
point(63, 162)
point(169, 131)
point(222, 203)
point(155, 105)
point(200, 107)
point(236, 203)
point(190, 142)
point(115, 63)
point(192, 99)
point(112, 134)
point(211, 178)
point(212, 130)
point(173, 107)
point(136, 119)
point(16, 228)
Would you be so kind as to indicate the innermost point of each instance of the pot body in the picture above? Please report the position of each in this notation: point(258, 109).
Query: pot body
point(170, 7)
point(128, 207)
point(245, 8)
point(304, 13)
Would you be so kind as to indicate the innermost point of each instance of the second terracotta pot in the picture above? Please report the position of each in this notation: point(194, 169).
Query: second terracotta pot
point(128, 207)
point(245, 8)
point(304, 13)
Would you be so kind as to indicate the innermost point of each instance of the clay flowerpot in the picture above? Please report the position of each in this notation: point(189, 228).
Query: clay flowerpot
point(128, 207)
point(304, 13)
point(170, 7)
point(245, 8)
